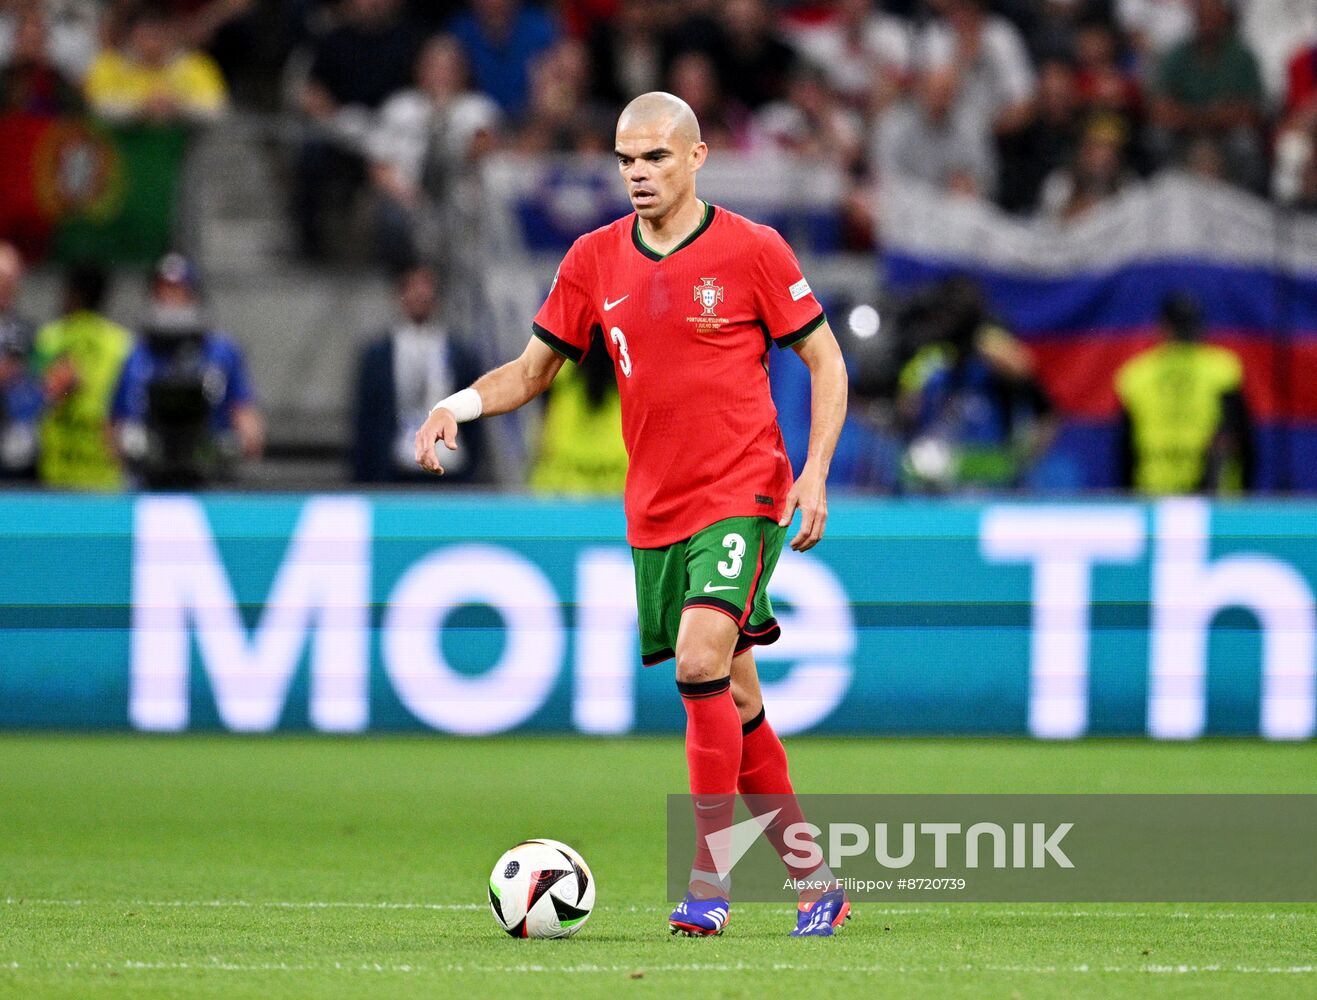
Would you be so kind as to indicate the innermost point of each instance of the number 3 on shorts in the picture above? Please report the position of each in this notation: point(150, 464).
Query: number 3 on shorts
point(735, 546)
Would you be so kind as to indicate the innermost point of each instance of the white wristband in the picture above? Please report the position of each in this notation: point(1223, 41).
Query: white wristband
point(465, 405)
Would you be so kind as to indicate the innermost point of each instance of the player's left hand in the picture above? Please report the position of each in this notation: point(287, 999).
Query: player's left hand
point(810, 494)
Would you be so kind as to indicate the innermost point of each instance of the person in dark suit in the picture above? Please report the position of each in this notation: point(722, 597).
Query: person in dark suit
point(403, 372)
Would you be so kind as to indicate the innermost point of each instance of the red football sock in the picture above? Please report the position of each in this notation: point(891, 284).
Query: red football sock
point(764, 773)
point(713, 757)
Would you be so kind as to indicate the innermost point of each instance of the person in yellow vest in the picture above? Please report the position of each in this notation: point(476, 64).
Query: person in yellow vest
point(1184, 424)
point(80, 357)
point(153, 78)
point(581, 449)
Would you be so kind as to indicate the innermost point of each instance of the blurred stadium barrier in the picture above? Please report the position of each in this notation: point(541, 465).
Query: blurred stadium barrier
point(478, 615)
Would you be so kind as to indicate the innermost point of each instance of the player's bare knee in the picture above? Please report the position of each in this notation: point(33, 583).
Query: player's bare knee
point(698, 664)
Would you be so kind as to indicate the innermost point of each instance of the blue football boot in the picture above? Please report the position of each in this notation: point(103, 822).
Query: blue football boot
point(700, 917)
point(822, 917)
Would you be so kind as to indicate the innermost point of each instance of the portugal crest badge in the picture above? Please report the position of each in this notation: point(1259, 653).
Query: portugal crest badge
point(708, 295)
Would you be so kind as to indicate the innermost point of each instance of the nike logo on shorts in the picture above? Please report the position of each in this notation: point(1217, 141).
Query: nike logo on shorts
point(609, 305)
point(710, 588)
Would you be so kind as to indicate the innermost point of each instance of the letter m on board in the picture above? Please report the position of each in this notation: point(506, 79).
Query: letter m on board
point(320, 598)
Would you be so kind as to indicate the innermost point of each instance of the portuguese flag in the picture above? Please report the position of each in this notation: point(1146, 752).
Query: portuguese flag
point(79, 190)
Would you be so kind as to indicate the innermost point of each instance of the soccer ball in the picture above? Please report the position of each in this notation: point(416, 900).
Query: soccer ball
point(541, 889)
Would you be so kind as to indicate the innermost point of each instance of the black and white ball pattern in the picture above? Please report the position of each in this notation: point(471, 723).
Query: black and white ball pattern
point(541, 889)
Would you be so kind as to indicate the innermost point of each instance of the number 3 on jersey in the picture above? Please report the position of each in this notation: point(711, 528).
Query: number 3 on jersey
point(623, 358)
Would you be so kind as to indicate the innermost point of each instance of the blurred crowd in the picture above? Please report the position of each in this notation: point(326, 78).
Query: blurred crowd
point(1044, 106)
point(120, 61)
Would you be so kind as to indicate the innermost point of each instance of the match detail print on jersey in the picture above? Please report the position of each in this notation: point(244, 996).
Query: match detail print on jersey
point(688, 332)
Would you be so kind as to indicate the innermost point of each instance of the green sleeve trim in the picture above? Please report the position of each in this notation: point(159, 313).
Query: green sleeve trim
point(569, 352)
point(796, 336)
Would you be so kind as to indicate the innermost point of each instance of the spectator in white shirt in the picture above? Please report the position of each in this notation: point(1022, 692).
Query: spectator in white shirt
point(997, 77)
point(864, 54)
point(1275, 30)
point(425, 144)
point(72, 39)
point(1154, 27)
point(938, 139)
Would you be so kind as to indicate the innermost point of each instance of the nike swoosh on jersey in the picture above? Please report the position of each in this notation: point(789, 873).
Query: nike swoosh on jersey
point(710, 588)
point(609, 305)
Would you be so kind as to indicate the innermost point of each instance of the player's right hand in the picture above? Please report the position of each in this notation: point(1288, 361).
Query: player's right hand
point(440, 425)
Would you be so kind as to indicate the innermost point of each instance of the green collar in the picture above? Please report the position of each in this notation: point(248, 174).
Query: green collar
point(653, 254)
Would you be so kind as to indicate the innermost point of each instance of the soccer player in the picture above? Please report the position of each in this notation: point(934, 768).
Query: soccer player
point(686, 298)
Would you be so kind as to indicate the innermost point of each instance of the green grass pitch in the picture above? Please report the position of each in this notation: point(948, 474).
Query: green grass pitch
point(316, 867)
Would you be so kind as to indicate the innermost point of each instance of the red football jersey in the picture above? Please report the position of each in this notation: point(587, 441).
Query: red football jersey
point(688, 333)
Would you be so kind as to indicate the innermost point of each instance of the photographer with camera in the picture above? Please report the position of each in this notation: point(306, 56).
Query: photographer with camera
point(184, 411)
point(976, 415)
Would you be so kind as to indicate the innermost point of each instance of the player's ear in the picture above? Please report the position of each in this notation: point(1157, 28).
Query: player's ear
point(699, 153)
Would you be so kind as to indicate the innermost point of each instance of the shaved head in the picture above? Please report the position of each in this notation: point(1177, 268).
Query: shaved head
point(661, 112)
point(659, 151)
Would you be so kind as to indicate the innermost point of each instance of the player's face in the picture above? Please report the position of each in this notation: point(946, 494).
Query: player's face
point(658, 168)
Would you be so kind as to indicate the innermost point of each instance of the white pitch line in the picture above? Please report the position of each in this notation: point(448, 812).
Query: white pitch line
point(1083, 968)
point(220, 965)
point(1042, 911)
point(246, 904)
point(913, 911)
